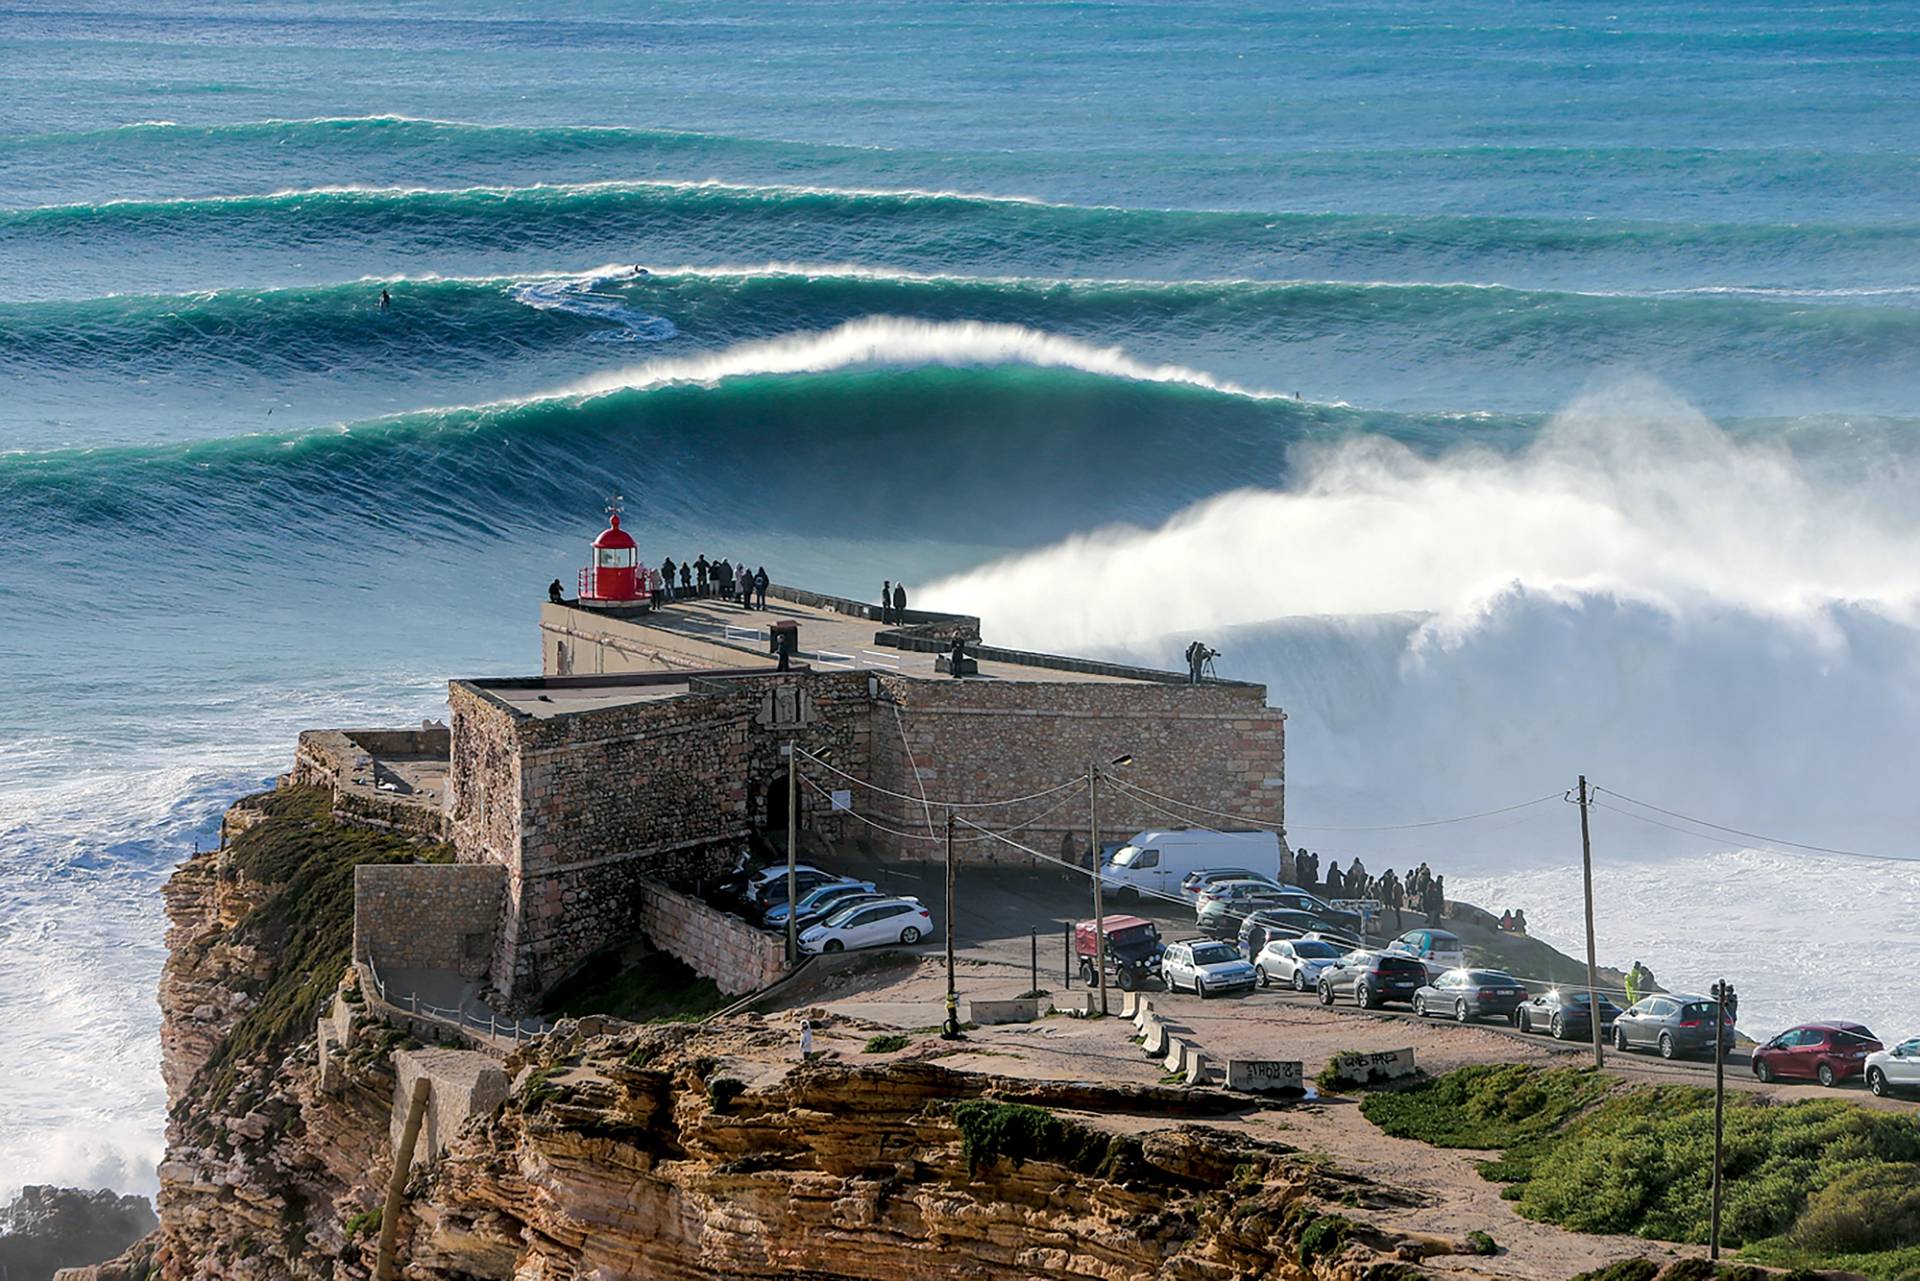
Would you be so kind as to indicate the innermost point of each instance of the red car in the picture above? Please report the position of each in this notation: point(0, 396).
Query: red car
point(1825, 1052)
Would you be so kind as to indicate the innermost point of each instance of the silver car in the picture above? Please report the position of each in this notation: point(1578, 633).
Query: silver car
point(1205, 966)
point(1296, 963)
point(1894, 1070)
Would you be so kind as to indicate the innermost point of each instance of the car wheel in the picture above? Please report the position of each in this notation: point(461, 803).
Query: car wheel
point(1763, 1070)
point(1128, 980)
point(1459, 1011)
point(1299, 981)
point(1558, 1027)
point(1260, 975)
point(1087, 976)
point(1667, 1048)
point(1877, 1082)
point(1827, 1076)
point(1526, 1022)
point(1199, 987)
point(910, 935)
point(1620, 1038)
point(1326, 994)
point(1420, 1005)
point(1363, 996)
point(833, 945)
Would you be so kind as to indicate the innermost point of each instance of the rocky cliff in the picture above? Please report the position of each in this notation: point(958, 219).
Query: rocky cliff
point(663, 1151)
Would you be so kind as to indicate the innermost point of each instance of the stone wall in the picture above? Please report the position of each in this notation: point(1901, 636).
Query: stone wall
point(1218, 746)
point(461, 1083)
point(427, 916)
point(342, 760)
point(576, 807)
point(717, 945)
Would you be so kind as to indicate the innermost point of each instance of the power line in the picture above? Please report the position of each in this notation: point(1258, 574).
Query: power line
point(1075, 781)
point(1734, 831)
point(1322, 827)
point(918, 836)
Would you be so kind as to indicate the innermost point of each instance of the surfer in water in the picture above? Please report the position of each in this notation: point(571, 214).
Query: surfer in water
point(386, 301)
point(641, 273)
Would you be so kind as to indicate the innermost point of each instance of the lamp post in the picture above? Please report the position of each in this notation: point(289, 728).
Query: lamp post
point(950, 1029)
point(1099, 902)
point(793, 848)
point(1723, 996)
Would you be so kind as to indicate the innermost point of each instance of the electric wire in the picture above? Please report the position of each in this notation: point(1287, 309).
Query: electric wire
point(1076, 781)
point(1321, 827)
point(1734, 831)
point(1029, 821)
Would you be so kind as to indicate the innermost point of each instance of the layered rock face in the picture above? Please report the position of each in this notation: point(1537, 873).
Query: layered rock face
point(47, 1227)
point(665, 1151)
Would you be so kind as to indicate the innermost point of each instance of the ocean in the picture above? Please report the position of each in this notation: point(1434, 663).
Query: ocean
point(1519, 392)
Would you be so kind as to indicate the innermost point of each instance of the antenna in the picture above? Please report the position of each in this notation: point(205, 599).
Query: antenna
point(613, 503)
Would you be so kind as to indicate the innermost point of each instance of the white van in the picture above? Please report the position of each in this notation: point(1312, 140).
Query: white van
point(1154, 863)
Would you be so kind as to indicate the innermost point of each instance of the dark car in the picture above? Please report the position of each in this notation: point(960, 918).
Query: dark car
point(1132, 952)
point(1268, 924)
point(769, 888)
point(1193, 883)
point(1825, 1052)
point(1672, 1023)
point(1471, 994)
point(1223, 907)
point(1372, 978)
point(1565, 1015)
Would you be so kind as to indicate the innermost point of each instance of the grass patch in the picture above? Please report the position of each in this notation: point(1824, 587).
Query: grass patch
point(636, 985)
point(1820, 1183)
point(1482, 1242)
point(306, 922)
point(364, 1224)
point(1320, 1236)
point(1625, 1270)
point(1020, 1132)
point(722, 1091)
point(887, 1043)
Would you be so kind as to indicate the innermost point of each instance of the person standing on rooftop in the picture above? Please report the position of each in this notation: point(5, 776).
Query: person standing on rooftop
point(760, 581)
point(899, 602)
point(702, 570)
point(886, 600)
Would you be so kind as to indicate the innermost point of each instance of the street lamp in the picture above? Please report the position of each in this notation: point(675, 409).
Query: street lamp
point(1093, 840)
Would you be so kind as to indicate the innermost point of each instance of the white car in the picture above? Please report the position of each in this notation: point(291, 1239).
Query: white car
point(1205, 966)
point(1892, 1070)
point(1294, 962)
point(1439, 950)
point(890, 921)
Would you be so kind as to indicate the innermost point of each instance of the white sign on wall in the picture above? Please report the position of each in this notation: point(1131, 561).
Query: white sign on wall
point(843, 799)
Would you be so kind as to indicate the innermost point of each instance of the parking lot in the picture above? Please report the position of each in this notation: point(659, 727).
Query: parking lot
point(1005, 917)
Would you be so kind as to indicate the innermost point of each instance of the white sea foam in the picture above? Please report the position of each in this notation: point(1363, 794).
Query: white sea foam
point(1711, 625)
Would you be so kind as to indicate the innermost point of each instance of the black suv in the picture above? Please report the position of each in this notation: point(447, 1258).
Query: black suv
point(1372, 979)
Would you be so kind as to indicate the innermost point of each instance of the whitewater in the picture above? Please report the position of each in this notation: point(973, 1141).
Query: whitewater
point(1533, 400)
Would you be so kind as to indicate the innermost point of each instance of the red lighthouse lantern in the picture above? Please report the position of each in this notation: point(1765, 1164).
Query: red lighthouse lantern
point(615, 576)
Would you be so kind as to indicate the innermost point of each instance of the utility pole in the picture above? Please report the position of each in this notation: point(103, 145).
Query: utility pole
point(1593, 968)
point(793, 853)
point(1722, 993)
point(951, 1029)
point(1099, 907)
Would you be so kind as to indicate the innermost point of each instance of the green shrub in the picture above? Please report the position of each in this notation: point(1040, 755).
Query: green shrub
point(722, 1091)
point(1482, 1242)
point(1624, 1270)
point(1876, 1207)
point(364, 1224)
point(1020, 1133)
point(1691, 1269)
point(1321, 1235)
point(887, 1043)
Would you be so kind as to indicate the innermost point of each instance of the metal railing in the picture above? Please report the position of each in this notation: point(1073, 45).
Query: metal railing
point(460, 1019)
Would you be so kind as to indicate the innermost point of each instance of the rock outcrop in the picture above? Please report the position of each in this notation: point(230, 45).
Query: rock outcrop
point(47, 1228)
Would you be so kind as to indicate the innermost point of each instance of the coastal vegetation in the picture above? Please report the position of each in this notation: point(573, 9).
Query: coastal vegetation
point(1820, 1183)
point(638, 984)
point(306, 919)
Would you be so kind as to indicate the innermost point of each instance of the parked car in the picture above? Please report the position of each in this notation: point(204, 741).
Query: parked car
point(1207, 966)
point(1892, 1071)
point(1438, 950)
point(770, 886)
point(1296, 963)
point(815, 901)
point(1156, 862)
point(1131, 955)
point(1223, 907)
point(1565, 1014)
point(1267, 924)
point(1825, 1052)
point(1471, 994)
point(1673, 1023)
point(1371, 978)
point(893, 920)
point(1194, 882)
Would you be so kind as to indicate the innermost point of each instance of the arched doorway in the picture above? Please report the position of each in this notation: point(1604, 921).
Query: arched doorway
point(775, 807)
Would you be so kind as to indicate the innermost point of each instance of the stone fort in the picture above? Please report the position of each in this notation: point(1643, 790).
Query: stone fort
point(653, 747)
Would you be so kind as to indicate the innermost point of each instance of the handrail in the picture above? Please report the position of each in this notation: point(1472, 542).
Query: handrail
point(460, 1019)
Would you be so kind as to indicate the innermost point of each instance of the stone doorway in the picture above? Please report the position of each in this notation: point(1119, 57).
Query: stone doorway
point(775, 807)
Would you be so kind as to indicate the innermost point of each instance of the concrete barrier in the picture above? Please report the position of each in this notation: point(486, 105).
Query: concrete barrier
point(1021, 1009)
point(1266, 1076)
point(1129, 1004)
point(1360, 1068)
point(1196, 1068)
point(1141, 1014)
point(1156, 1038)
point(1176, 1060)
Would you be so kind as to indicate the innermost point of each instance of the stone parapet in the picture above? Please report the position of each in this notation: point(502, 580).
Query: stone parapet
point(462, 1083)
point(716, 945)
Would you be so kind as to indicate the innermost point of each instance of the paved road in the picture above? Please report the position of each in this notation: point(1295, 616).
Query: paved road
point(1001, 912)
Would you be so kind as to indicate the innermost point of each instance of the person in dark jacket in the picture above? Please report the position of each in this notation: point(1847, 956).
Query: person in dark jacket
point(556, 593)
point(686, 579)
point(760, 581)
point(724, 572)
point(886, 600)
point(899, 602)
point(703, 572)
point(1336, 883)
point(667, 568)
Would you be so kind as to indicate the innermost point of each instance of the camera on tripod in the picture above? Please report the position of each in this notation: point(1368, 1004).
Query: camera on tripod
point(1200, 662)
